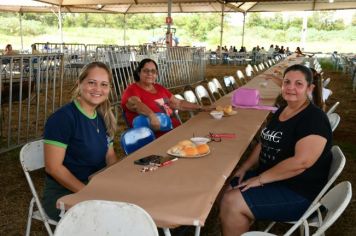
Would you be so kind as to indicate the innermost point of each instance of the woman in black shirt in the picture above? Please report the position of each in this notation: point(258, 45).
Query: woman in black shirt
point(293, 158)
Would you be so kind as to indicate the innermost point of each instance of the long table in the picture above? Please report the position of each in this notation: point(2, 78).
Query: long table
point(184, 192)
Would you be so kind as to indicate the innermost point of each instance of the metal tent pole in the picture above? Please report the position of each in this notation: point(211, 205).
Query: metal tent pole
point(221, 28)
point(243, 30)
point(21, 32)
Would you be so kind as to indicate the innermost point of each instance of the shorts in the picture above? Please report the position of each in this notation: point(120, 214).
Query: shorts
point(51, 193)
point(275, 201)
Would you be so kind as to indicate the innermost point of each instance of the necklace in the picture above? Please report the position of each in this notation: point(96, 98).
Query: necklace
point(97, 124)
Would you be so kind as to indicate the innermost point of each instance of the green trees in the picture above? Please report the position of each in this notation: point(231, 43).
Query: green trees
point(198, 25)
point(324, 20)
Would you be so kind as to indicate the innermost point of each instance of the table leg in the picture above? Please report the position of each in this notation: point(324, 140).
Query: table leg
point(197, 230)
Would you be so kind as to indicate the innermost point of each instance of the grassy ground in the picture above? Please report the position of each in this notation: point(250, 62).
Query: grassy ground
point(15, 194)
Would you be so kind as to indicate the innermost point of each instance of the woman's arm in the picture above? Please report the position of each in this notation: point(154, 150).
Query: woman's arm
point(253, 158)
point(54, 157)
point(307, 152)
point(111, 157)
point(135, 104)
point(184, 105)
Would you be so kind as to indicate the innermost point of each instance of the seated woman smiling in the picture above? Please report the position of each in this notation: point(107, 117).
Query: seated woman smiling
point(293, 160)
point(78, 137)
point(146, 97)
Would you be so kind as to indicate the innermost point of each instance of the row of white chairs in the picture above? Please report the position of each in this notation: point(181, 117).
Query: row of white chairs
point(214, 88)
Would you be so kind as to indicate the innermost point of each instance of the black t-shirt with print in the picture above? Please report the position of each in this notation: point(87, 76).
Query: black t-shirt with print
point(279, 139)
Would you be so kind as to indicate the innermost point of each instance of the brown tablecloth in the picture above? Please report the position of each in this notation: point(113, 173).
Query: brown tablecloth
point(184, 192)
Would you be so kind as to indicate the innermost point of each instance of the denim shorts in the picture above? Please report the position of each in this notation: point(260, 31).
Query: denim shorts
point(275, 201)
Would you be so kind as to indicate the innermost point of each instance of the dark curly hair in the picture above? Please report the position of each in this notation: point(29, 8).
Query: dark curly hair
point(142, 63)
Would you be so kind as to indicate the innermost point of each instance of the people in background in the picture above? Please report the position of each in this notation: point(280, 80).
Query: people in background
point(78, 137)
point(242, 49)
point(146, 97)
point(8, 50)
point(282, 50)
point(34, 49)
point(293, 160)
point(299, 52)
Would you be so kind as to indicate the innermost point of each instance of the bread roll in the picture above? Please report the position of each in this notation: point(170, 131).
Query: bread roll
point(186, 143)
point(189, 151)
point(227, 109)
point(202, 149)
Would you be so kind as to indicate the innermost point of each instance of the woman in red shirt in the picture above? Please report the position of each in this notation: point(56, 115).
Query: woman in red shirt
point(146, 97)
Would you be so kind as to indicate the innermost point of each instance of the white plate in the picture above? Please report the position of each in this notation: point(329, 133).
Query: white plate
point(178, 155)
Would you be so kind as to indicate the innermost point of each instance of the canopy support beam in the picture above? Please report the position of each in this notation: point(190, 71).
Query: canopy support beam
point(222, 27)
point(124, 29)
point(243, 30)
point(168, 22)
point(304, 31)
point(21, 31)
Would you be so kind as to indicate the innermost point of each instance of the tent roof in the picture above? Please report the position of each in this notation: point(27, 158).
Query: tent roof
point(178, 6)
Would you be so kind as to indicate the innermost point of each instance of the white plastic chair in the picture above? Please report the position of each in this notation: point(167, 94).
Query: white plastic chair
point(213, 89)
point(241, 77)
point(218, 85)
point(31, 159)
point(336, 167)
point(256, 68)
point(333, 108)
point(248, 72)
point(334, 120)
point(261, 67)
point(201, 93)
point(190, 97)
point(326, 82)
point(98, 217)
point(230, 83)
point(335, 202)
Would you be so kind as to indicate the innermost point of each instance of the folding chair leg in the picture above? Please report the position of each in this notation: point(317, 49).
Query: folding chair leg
point(269, 227)
point(166, 232)
point(29, 218)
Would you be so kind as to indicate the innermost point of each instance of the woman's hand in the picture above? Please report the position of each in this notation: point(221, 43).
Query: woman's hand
point(240, 173)
point(250, 183)
point(154, 122)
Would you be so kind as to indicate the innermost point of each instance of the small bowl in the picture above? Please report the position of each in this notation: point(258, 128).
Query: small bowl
point(217, 114)
point(200, 140)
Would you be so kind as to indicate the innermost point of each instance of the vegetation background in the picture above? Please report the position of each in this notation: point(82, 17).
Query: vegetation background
point(326, 32)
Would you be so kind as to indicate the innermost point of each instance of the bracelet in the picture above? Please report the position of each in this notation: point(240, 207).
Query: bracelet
point(259, 180)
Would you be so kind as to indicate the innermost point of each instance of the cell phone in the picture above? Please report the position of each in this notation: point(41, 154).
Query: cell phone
point(156, 159)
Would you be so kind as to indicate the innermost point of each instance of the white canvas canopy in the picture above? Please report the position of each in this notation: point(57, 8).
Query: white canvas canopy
point(178, 6)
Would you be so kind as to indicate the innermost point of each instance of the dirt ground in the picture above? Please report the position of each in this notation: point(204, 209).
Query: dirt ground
point(15, 194)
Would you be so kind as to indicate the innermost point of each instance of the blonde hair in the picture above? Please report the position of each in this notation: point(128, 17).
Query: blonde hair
point(104, 109)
